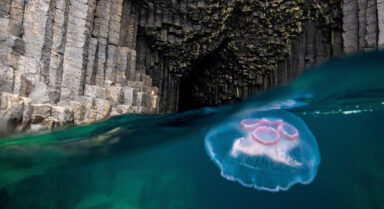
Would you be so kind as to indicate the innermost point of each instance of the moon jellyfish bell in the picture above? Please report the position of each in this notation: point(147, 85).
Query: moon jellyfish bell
point(270, 150)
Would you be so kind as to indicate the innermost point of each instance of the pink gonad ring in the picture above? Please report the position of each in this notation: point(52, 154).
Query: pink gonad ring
point(266, 135)
point(265, 122)
point(276, 123)
point(288, 131)
point(250, 124)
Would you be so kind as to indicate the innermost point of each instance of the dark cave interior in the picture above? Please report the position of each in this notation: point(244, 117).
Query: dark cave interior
point(199, 87)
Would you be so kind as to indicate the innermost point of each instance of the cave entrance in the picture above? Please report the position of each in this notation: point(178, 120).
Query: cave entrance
point(189, 88)
point(198, 87)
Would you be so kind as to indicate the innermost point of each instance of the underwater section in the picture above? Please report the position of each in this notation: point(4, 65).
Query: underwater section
point(266, 150)
point(156, 162)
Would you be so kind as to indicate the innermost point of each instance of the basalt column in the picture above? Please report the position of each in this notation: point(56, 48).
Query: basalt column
point(200, 54)
point(70, 61)
point(78, 61)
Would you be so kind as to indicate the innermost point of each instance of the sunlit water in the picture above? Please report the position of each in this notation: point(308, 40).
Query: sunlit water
point(159, 162)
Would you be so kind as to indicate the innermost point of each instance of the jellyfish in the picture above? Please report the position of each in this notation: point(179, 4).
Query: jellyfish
point(271, 150)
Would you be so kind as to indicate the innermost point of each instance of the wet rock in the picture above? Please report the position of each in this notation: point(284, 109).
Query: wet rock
point(88, 59)
point(63, 115)
point(40, 112)
point(15, 113)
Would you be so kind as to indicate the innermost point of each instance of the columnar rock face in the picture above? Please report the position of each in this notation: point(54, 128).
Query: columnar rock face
point(210, 53)
point(380, 23)
point(78, 61)
point(203, 53)
point(363, 25)
point(69, 62)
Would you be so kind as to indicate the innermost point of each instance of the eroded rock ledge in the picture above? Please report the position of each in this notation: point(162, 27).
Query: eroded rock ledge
point(77, 61)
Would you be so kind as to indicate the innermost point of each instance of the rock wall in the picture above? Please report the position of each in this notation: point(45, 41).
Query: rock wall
point(363, 25)
point(212, 54)
point(207, 54)
point(70, 61)
point(77, 61)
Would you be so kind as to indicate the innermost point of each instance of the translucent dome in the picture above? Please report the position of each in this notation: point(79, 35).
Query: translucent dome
point(270, 150)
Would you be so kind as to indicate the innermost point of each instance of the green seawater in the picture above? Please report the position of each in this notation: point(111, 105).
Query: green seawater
point(159, 162)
